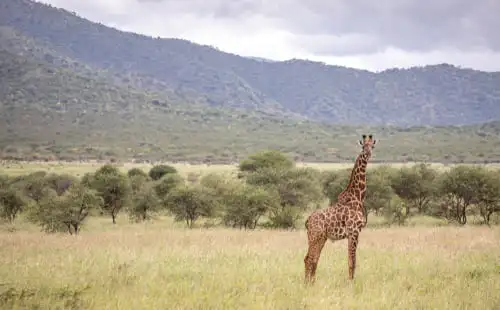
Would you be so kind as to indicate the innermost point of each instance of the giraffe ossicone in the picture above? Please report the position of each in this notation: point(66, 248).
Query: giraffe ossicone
point(343, 219)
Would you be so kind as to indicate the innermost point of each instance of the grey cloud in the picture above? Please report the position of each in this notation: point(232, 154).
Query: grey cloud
point(345, 45)
point(332, 27)
point(412, 25)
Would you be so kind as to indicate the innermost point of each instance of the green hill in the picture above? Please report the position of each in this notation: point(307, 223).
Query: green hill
point(46, 110)
point(59, 98)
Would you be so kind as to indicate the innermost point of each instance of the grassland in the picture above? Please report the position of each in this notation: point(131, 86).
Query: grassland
point(161, 265)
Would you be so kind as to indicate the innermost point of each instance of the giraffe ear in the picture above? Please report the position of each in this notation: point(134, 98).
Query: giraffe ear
point(364, 137)
point(370, 137)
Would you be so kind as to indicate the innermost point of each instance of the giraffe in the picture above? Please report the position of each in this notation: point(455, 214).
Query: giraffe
point(343, 219)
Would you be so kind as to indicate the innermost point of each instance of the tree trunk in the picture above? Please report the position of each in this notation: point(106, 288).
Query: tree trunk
point(488, 217)
point(462, 217)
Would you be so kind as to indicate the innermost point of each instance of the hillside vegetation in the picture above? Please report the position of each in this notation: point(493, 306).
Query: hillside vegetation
point(61, 99)
point(430, 95)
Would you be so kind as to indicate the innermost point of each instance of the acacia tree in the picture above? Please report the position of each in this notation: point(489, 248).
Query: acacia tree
point(396, 211)
point(264, 160)
point(60, 182)
point(244, 206)
point(334, 182)
point(4, 181)
point(461, 187)
point(136, 171)
point(379, 193)
point(78, 201)
point(166, 184)
point(415, 185)
point(489, 197)
point(11, 203)
point(145, 201)
point(296, 188)
point(158, 171)
point(190, 202)
point(32, 185)
point(113, 187)
point(55, 213)
point(138, 181)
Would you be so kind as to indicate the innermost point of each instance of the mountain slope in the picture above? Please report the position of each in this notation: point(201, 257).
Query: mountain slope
point(97, 45)
point(431, 95)
point(57, 110)
point(59, 98)
point(47, 110)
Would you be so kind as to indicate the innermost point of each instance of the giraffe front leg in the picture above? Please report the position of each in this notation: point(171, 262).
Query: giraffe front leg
point(351, 252)
point(312, 258)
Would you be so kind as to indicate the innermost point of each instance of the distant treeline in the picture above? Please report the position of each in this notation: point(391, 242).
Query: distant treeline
point(269, 190)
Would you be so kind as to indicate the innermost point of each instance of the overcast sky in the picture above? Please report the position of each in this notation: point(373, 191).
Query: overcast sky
point(367, 34)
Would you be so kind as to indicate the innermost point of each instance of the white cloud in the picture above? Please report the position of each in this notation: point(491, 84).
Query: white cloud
point(352, 33)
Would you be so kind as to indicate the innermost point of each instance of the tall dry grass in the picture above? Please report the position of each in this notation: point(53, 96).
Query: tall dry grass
point(157, 266)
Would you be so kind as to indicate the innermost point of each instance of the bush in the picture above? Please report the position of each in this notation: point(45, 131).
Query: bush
point(334, 182)
point(112, 186)
point(489, 196)
point(157, 172)
point(136, 172)
point(32, 185)
point(265, 160)
point(60, 182)
point(395, 211)
point(56, 213)
point(145, 202)
point(379, 193)
point(297, 189)
point(11, 203)
point(189, 202)
point(245, 204)
point(137, 181)
point(167, 183)
point(462, 187)
point(416, 185)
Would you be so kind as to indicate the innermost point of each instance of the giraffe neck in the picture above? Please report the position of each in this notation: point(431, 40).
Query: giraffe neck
point(357, 183)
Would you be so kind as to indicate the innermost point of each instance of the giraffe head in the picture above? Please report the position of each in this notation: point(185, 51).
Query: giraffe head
point(367, 143)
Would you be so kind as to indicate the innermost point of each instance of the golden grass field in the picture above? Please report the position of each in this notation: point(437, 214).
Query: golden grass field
point(161, 265)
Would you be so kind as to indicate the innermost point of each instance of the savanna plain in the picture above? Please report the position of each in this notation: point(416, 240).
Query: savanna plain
point(161, 264)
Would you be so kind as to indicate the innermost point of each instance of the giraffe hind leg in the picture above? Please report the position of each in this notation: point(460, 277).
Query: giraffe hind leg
point(313, 253)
